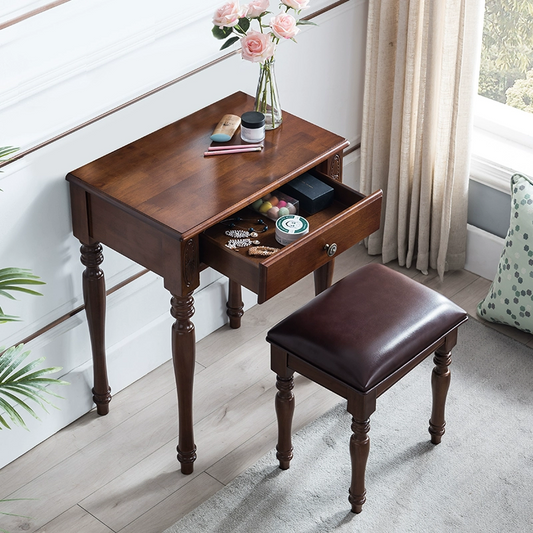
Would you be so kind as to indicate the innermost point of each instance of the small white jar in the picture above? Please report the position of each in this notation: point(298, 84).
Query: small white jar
point(252, 126)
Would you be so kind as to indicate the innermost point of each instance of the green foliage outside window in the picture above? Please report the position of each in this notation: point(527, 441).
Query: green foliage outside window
point(506, 73)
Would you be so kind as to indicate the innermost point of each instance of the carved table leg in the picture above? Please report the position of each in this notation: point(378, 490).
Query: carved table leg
point(284, 403)
point(324, 277)
point(95, 307)
point(440, 383)
point(183, 354)
point(359, 450)
point(235, 305)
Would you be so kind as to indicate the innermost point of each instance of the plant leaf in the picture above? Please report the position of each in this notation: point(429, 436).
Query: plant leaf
point(244, 24)
point(17, 272)
point(7, 150)
point(221, 33)
point(19, 289)
point(229, 42)
point(303, 22)
point(20, 382)
point(12, 413)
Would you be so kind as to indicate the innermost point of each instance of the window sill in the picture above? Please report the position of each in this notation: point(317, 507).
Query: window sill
point(502, 144)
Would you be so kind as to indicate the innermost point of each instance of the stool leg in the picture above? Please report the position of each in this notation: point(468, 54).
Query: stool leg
point(359, 449)
point(440, 383)
point(284, 411)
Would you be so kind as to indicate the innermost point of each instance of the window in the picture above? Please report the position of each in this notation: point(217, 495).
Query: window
point(506, 73)
point(503, 118)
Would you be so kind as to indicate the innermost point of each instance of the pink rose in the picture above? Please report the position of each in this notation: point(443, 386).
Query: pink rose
point(257, 47)
point(228, 15)
point(296, 4)
point(255, 8)
point(284, 26)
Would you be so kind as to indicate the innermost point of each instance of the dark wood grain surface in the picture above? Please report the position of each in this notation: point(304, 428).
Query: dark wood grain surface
point(165, 176)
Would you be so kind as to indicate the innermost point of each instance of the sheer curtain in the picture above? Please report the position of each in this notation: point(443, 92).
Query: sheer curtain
point(422, 64)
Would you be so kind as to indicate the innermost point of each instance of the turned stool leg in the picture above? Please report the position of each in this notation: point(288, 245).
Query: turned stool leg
point(440, 383)
point(284, 403)
point(359, 449)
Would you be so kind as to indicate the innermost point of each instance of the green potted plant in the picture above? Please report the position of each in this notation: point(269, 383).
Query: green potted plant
point(20, 381)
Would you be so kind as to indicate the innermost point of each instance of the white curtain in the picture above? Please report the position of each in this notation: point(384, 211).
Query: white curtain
point(422, 65)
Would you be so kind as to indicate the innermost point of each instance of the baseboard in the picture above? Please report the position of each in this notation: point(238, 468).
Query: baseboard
point(483, 251)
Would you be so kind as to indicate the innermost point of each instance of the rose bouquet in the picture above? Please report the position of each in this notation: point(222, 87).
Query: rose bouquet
point(234, 23)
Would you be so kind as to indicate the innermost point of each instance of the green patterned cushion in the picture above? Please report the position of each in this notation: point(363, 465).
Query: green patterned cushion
point(510, 298)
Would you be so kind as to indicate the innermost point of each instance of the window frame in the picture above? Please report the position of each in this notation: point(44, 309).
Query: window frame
point(502, 143)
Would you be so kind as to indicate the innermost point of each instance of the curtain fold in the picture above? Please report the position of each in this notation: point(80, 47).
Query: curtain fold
point(422, 65)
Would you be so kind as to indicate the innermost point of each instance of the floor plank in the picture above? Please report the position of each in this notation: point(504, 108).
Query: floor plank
point(76, 520)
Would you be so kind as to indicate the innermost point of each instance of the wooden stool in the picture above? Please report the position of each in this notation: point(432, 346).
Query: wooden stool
point(357, 339)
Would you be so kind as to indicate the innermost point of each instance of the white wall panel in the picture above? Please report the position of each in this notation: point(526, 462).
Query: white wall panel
point(320, 79)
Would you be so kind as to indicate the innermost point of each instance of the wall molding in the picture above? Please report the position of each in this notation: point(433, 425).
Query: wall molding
point(24, 12)
point(105, 55)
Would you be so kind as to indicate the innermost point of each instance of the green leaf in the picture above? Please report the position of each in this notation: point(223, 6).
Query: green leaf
point(12, 413)
point(8, 318)
point(244, 24)
point(7, 295)
point(20, 382)
point(15, 279)
point(18, 289)
point(11, 409)
point(303, 22)
point(7, 150)
point(229, 42)
point(221, 33)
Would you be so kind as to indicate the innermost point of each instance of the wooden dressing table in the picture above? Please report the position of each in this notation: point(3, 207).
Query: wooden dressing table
point(159, 202)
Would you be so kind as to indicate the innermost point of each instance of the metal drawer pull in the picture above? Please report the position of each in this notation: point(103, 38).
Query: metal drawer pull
point(331, 249)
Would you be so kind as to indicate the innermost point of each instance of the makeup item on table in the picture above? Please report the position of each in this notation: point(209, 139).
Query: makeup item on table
point(290, 228)
point(222, 150)
point(252, 126)
point(312, 193)
point(226, 128)
point(275, 205)
point(234, 146)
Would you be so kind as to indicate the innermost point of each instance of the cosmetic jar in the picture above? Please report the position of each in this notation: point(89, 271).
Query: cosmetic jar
point(289, 228)
point(252, 126)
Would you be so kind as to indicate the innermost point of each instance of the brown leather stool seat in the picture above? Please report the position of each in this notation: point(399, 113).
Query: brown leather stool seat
point(358, 338)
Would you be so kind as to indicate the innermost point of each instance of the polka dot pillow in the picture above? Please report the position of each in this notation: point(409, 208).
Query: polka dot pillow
point(510, 298)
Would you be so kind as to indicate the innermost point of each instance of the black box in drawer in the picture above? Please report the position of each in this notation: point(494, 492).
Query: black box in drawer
point(313, 194)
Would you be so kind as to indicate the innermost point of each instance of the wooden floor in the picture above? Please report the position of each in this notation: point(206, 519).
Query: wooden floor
point(119, 473)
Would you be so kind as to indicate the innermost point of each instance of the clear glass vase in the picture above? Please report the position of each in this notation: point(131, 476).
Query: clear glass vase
point(267, 96)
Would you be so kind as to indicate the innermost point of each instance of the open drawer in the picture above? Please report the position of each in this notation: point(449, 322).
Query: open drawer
point(347, 220)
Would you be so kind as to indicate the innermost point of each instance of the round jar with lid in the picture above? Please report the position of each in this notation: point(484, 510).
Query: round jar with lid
point(252, 126)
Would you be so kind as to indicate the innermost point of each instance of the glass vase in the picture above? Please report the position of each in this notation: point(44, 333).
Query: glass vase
point(267, 96)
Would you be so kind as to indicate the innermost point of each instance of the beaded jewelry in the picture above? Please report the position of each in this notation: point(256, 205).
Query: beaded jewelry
point(234, 244)
point(240, 233)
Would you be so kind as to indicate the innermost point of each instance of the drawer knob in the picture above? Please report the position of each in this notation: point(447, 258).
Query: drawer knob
point(331, 249)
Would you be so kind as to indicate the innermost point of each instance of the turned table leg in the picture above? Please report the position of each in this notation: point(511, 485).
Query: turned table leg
point(183, 354)
point(95, 307)
point(234, 305)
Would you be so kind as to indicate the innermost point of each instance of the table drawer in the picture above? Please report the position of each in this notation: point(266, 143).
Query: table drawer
point(350, 218)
